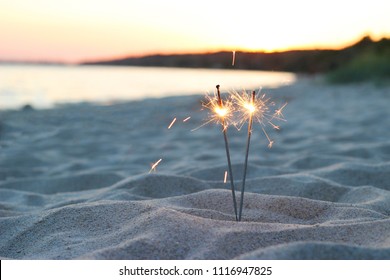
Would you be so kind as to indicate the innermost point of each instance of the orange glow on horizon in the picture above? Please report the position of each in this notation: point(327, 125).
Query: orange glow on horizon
point(75, 31)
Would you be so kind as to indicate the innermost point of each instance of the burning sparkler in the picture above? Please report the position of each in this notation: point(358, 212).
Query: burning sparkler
point(259, 110)
point(251, 108)
point(222, 112)
point(245, 108)
point(218, 111)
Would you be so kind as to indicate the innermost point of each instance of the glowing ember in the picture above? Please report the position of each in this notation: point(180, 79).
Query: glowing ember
point(173, 121)
point(218, 111)
point(259, 109)
point(234, 58)
point(154, 165)
point(250, 107)
point(222, 112)
point(225, 178)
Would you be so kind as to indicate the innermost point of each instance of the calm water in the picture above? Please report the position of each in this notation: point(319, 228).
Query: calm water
point(45, 86)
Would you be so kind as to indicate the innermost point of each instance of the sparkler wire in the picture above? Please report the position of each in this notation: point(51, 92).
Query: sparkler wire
point(246, 158)
point(228, 157)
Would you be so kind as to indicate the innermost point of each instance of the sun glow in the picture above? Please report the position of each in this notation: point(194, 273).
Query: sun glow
point(141, 27)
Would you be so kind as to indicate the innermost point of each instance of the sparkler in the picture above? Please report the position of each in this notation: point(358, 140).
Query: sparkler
point(257, 109)
point(244, 107)
point(251, 108)
point(222, 113)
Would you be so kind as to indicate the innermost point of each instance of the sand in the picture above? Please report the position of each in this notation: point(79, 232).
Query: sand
point(74, 181)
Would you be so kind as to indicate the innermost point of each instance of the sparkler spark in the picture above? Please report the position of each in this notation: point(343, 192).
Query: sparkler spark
point(173, 121)
point(278, 112)
point(225, 177)
point(154, 165)
point(186, 119)
point(259, 109)
point(234, 58)
point(218, 112)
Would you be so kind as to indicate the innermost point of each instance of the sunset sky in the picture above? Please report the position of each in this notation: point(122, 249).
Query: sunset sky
point(78, 30)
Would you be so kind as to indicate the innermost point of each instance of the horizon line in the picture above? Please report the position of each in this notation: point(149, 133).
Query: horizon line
point(167, 53)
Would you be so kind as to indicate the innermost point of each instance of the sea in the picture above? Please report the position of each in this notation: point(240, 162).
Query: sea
point(47, 86)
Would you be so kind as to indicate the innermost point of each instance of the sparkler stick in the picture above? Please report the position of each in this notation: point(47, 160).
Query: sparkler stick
point(250, 111)
point(224, 128)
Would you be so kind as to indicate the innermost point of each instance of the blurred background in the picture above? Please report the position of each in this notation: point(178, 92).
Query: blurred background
point(68, 51)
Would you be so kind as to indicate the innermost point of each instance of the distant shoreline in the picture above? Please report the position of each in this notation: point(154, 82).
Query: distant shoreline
point(296, 61)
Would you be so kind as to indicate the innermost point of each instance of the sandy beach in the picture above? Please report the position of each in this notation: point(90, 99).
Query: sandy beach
point(75, 181)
